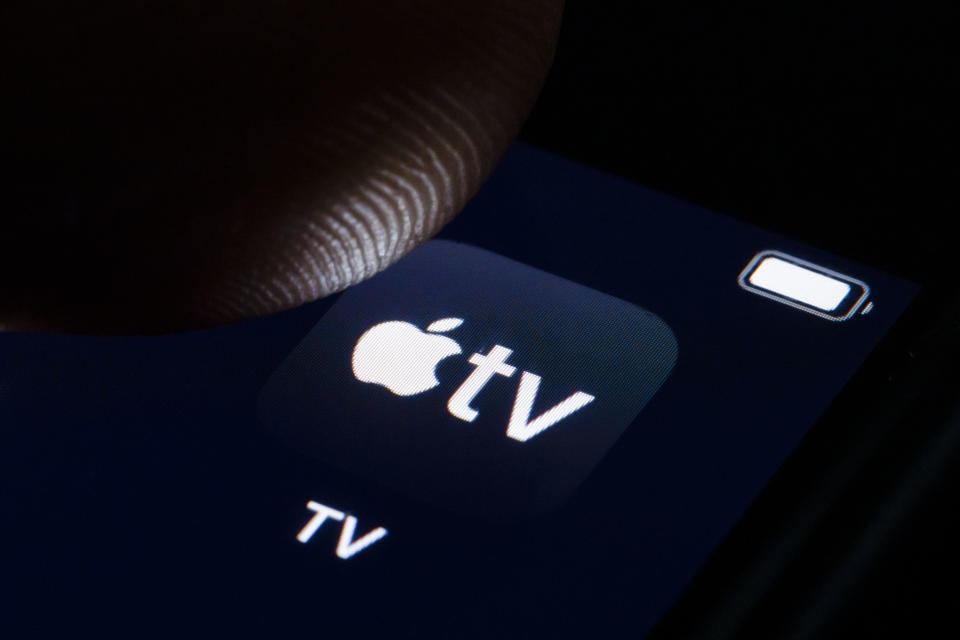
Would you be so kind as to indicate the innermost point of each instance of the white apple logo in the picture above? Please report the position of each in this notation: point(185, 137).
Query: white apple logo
point(401, 357)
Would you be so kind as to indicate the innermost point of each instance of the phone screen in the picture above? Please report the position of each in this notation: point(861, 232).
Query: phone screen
point(543, 421)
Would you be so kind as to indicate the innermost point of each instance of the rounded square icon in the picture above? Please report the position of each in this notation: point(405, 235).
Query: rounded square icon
point(469, 381)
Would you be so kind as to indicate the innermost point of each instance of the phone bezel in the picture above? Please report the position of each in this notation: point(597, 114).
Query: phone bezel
point(760, 578)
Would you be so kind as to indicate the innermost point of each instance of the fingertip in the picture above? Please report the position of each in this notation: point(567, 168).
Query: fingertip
point(215, 205)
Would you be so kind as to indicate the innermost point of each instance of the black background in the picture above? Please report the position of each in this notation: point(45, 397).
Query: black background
point(836, 123)
point(799, 115)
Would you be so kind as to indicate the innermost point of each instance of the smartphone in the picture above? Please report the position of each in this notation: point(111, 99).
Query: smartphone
point(584, 408)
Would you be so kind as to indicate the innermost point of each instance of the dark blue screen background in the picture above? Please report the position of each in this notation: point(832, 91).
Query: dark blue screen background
point(141, 498)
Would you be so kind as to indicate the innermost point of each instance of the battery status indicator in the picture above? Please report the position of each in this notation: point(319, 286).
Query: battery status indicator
point(805, 286)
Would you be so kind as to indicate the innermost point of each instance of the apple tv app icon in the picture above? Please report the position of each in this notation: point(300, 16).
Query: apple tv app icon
point(469, 381)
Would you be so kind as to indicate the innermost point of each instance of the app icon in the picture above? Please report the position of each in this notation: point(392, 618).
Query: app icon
point(469, 381)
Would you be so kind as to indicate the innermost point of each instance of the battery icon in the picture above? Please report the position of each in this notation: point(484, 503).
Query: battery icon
point(805, 286)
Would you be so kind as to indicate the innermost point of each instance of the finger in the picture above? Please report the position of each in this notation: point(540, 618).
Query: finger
point(176, 165)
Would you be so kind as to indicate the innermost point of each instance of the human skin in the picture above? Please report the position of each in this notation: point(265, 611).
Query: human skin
point(174, 165)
